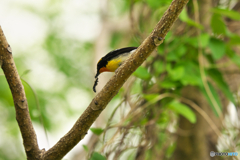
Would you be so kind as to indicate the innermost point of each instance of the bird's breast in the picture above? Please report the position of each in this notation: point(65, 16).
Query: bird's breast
point(114, 64)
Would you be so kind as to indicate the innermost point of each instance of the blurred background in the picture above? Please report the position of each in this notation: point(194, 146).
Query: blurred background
point(182, 103)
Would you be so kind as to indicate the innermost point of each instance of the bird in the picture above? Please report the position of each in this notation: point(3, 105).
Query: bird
point(111, 61)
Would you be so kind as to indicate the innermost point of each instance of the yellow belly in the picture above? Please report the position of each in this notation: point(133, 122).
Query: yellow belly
point(113, 64)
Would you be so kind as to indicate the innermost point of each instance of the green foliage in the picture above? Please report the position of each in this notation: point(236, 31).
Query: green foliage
point(204, 39)
point(185, 18)
point(217, 47)
point(233, 56)
point(217, 24)
point(183, 110)
point(97, 156)
point(152, 98)
point(142, 73)
point(234, 40)
point(170, 150)
point(218, 79)
point(228, 13)
point(85, 148)
point(215, 96)
point(97, 131)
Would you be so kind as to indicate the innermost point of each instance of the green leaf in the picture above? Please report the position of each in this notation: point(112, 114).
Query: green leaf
point(183, 110)
point(218, 78)
point(168, 84)
point(97, 131)
point(204, 38)
point(85, 148)
point(163, 118)
point(184, 17)
point(172, 56)
point(233, 56)
point(217, 48)
point(192, 41)
point(217, 24)
point(170, 150)
point(234, 40)
point(97, 156)
point(181, 50)
point(215, 96)
point(228, 13)
point(142, 73)
point(150, 97)
point(176, 73)
point(236, 59)
point(159, 67)
point(191, 74)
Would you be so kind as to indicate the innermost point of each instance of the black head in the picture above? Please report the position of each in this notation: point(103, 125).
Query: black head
point(101, 63)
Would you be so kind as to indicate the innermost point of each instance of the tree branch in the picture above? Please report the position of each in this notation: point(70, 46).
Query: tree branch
point(20, 101)
point(80, 128)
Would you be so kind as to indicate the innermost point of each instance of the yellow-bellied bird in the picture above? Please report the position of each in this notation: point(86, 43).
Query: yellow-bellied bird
point(112, 61)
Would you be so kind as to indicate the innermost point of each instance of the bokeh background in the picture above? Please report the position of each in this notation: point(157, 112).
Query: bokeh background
point(57, 44)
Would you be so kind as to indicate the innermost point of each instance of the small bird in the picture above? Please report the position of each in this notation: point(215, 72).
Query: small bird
point(111, 61)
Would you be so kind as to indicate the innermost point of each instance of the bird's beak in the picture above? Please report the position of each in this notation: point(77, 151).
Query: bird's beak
point(97, 74)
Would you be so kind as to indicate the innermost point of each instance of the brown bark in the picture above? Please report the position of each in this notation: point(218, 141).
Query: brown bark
point(20, 102)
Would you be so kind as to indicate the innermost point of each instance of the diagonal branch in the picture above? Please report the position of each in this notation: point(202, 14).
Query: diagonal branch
point(80, 128)
point(20, 102)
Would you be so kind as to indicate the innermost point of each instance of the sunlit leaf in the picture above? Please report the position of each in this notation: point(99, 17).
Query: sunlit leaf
point(183, 110)
point(150, 97)
point(85, 148)
point(97, 156)
point(204, 38)
point(97, 131)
